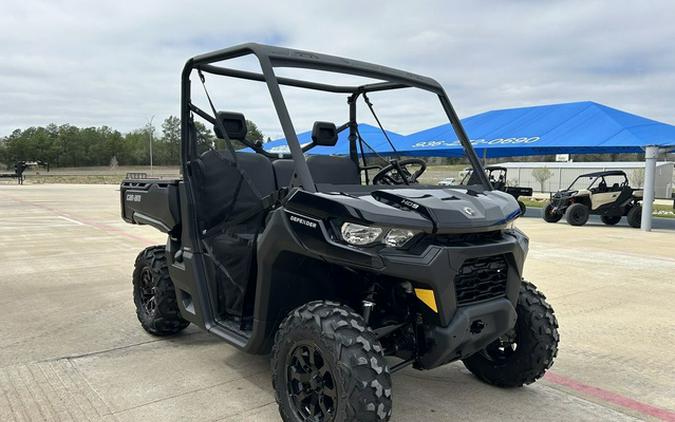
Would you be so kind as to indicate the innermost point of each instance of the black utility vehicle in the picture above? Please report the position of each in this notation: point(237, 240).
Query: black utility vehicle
point(497, 177)
point(604, 193)
point(344, 277)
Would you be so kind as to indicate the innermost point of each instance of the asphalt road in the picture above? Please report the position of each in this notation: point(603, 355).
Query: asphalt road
point(594, 220)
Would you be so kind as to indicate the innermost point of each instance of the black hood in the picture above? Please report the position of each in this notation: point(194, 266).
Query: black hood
point(428, 209)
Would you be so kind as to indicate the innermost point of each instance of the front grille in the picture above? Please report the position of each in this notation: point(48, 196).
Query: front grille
point(481, 279)
point(467, 239)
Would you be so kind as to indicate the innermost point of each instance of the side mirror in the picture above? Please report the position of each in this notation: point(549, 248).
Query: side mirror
point(324, 134)
point(234, 123)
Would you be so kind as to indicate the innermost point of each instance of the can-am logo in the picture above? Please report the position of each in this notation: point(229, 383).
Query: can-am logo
point(468, 211)
point(410, 204)
point(133, 197)
point(303, 221)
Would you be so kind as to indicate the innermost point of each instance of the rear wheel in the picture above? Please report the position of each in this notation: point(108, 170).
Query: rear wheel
point(522, 206)
point(577, 214)
point(634, 216)
point(154, 294)
point(328, 366)
point(610, 220)
point(525, 354)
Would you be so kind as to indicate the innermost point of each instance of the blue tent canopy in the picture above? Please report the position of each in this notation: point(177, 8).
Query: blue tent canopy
point(370, 134)
point(572, 128)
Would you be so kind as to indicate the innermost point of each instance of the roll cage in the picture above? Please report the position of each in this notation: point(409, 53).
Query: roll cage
point(270, 57)
point(599, 175)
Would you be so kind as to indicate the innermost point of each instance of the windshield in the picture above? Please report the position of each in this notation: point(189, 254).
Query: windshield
point(604, 183)
point(582, 183)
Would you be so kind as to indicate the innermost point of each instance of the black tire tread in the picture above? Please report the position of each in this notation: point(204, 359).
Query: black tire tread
point(360, 359)
point(634, 216)
point(166, 319)
point(535, 356)
point(523, 207)
point(549, 217)
point(570, 214)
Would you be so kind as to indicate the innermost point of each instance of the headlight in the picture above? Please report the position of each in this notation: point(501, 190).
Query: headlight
point(356, 234)
point(360, 235)
point(398, 237)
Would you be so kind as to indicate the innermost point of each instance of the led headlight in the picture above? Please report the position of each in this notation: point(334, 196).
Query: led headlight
point(359, 235)
point(398, 237)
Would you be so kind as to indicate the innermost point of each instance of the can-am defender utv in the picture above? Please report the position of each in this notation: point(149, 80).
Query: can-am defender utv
point(604, 193)
point(497, 175)
point(343, 277)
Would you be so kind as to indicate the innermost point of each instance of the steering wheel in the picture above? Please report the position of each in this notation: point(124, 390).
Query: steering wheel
point(396, 173)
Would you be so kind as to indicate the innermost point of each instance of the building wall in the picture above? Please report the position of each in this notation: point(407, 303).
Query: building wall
point(521, 174)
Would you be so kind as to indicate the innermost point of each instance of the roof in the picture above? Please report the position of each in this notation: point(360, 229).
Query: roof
point(582, 164)
point(289, 57)
point(569, 128)
point(604, 173)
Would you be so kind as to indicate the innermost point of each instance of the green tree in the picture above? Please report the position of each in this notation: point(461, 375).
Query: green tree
point(170, 140)
point(71, 146)
point(253, 134)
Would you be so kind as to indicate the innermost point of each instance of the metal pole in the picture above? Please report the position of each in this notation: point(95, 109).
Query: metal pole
point(150, 134)
point(651, 152)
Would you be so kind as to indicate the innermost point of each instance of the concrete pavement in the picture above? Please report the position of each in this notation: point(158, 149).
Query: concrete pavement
point(72, 349)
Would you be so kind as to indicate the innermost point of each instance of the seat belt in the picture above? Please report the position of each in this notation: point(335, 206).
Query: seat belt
point(266, 203)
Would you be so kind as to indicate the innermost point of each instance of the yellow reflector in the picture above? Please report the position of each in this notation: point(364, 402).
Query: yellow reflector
point(427, 296)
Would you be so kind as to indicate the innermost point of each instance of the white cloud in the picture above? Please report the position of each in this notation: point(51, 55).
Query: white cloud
point(118, 63)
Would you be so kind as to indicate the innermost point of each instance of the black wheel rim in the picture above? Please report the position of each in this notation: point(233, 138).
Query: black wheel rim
point(310, 384)
point(147, 291)
point(501, 350)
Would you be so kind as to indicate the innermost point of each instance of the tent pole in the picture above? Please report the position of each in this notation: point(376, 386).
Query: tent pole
point(651, 153)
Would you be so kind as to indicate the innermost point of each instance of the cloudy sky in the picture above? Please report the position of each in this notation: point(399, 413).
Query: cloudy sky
point(118, 63)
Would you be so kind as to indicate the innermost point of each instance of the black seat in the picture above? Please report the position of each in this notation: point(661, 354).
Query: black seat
point(334, 170)
point(215, 175)
point(284, 169)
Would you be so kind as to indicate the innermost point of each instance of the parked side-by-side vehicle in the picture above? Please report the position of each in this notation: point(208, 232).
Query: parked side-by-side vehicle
point(344, 272)
point(497, 175)
point(604, 193)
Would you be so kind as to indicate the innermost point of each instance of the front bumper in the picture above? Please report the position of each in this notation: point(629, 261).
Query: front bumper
point(472, 329)
point(462, 329)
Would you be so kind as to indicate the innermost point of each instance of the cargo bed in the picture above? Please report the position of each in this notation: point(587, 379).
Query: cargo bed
point(154, 202)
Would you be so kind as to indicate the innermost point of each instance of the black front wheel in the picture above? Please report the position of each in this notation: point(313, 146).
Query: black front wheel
point(527, 352)
point(327, 365)
point(577, 214)
point(550, 216)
